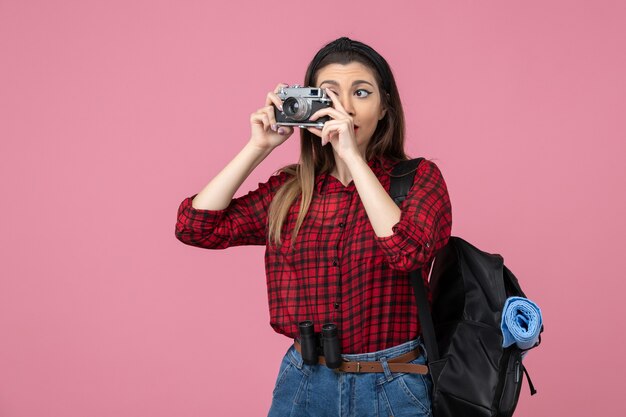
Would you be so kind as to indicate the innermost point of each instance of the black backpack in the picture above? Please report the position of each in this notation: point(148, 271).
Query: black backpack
point(473, 375)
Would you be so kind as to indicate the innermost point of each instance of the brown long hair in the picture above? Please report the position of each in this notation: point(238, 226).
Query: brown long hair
point(387, 140)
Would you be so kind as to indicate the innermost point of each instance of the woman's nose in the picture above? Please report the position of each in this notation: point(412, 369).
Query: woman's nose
point(346, 102)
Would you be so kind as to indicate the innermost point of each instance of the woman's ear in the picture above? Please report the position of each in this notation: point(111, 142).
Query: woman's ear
point(383, 111)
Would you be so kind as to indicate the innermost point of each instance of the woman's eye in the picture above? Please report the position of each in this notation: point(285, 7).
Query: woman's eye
point(362, 93)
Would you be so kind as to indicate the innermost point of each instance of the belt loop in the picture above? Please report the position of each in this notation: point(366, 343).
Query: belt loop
point(386, 369)
point(296, 357)
point(422, 347)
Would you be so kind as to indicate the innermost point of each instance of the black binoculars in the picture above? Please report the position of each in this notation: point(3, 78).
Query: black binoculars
point(311, 344)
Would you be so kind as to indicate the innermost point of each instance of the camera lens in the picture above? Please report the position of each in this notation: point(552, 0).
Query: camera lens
point(296, 108)
point(291, 106)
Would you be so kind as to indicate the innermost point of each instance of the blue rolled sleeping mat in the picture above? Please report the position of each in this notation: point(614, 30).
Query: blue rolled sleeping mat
point(521, 322)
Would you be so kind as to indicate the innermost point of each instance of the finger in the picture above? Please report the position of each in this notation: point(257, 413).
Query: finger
point(266, 122)
point(315, 131)
point(329, 111)
point(273, 99)
point(260, 118)
point(327, 131)
point(330, 130)
point(269, 111)
point(335, 125)
point(279, 87)
point(329, 136)
point(336, 103)
point(285, 130)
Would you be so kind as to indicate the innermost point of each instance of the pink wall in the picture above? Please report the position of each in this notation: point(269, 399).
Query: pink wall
point(112, 112)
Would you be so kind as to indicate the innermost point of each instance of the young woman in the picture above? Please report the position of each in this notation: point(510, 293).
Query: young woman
point(338, 249)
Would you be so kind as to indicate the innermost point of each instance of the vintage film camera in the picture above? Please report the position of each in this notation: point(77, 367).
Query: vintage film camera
point(299, 103)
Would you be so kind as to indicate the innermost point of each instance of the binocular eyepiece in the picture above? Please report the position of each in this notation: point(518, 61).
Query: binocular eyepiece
point(308, 342)
point(311, 344)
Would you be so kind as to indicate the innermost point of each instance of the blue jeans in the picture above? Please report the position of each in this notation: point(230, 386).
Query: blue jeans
point(305, 390)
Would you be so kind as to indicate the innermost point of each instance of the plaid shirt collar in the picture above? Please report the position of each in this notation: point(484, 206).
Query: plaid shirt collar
point(379, 165)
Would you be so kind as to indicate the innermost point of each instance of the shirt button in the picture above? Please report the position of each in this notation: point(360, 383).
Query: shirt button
point(341, 225)
point(428, 244)
point(335, 263)
point(336, 305)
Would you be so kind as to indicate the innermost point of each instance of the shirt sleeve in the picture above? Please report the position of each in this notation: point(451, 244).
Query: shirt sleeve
point(425, 222)
point(243, 222)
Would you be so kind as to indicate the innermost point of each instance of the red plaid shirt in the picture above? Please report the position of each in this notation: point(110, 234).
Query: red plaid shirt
point(339, 270)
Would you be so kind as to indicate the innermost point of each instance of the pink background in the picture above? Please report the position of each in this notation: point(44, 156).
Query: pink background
point(112, 112)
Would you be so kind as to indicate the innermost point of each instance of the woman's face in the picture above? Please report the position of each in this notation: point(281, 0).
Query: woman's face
point(358, 92)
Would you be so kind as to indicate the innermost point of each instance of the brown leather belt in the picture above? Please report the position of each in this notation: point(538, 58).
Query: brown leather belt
point(397, 364)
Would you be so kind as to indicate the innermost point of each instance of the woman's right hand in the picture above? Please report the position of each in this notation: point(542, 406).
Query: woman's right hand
point(265, 133)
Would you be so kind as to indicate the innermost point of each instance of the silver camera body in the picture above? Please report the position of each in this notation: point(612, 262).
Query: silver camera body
point(299, 104)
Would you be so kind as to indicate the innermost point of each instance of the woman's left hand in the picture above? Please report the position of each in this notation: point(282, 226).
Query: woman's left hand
point(339, 131)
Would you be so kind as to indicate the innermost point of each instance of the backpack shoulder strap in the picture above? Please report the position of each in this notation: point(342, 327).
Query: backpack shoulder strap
point(402, 178)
